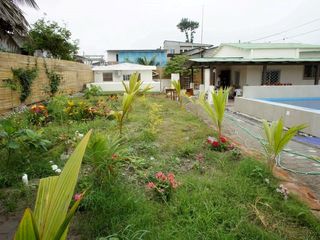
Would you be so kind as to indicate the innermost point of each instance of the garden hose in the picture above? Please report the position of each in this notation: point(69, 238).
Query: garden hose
point(278, 161)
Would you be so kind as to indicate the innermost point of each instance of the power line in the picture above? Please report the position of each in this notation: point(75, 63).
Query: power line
point(285, 31)
point(298, 35)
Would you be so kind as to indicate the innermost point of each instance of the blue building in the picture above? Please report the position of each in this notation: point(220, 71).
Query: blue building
point(121, 56)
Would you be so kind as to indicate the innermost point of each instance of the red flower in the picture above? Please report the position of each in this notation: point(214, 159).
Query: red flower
point(223, 139)
point(77, 196)
point(209, 141)
point(151, 185)
point(215, 144)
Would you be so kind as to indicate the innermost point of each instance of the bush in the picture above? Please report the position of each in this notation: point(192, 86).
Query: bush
point(93, 91)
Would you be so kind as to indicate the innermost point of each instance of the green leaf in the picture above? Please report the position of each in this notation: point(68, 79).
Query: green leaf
point(55, 193)
point(27, 228)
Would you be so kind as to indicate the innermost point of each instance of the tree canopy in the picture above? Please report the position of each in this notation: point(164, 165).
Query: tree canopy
point(49, 36)
point(177, 64)
point(188, 27)
point(145, 61)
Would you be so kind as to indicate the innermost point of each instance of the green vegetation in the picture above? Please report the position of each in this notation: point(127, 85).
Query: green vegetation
point(188, 27)
point(216, 198)
point(177, 64)
point(177, 87)
point(216, 112)
point(276, 139)
point(22, 81)
point(49, 36)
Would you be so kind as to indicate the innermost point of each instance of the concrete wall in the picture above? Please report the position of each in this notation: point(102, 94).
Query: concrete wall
point(274, 111)
point(74, 77)
point(281, 91)
point(112, 56)
point(274, 53)
point(118, 86)
point(228, 51)
point(145, 75)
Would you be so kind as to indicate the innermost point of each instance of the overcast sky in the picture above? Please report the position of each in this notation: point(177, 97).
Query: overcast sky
point(145, 24)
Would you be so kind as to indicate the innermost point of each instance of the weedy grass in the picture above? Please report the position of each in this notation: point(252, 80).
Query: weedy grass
point(229, 199)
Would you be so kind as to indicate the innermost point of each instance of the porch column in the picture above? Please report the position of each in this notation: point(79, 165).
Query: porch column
point(316, 79)
point(192, 74)
point(202, 76)
point(211, 75)
point(264, 74)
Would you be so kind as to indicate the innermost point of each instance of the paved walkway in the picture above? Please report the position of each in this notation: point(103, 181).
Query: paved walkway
point(245, 130)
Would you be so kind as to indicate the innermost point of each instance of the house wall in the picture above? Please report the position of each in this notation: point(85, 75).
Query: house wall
point(118, 86)
point(227, 51)
point(145, 75)
point(112, 56)
point(311, 54)
point(274, 53)
point(132, 56)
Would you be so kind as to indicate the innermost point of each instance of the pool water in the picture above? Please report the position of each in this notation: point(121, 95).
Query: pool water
point(311, 103)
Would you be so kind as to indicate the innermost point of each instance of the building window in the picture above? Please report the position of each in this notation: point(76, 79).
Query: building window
point(126, 77)
point(309, 71)
point(107, 77)
point(272, 77)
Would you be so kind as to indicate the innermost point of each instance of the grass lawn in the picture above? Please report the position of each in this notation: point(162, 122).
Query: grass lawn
point(219, 197)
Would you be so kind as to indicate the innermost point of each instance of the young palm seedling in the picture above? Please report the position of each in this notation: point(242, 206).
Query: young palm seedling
point(216, 111)
point(177, 87)
point(276, 139)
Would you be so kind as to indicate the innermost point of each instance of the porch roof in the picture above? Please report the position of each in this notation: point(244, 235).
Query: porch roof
point(241, 60)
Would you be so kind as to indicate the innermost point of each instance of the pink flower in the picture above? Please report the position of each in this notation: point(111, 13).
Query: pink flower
point(215, 144)
point(151, 185)
point(77, 196)
point(171, 176)
point(161, 176)
point(223, 139)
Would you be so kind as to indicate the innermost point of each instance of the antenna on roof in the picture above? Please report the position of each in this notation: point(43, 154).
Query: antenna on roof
point(202, 22)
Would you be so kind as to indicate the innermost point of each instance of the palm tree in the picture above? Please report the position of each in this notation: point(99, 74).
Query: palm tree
point(12, 21)
point(145, 61)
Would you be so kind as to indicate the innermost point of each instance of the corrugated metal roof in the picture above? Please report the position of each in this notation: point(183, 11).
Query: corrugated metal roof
point(271, 45)
point(252, 60)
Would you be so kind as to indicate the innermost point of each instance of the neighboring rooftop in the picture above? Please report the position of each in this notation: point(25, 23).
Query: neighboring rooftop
point(188, 43)
point(271, 45)
point(252, 60)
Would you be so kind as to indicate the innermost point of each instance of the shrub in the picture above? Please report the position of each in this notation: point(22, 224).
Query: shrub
point(221, 144)
point(56, 108)
point(93, 91)
point(163, 185)
point(38, 115)
point(80, 111)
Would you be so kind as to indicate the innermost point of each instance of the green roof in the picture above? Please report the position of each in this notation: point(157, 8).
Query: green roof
point(253, 60)
point(271, 45)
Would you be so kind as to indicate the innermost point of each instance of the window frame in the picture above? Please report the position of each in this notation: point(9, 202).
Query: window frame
point(313, 71)
point(103, 77)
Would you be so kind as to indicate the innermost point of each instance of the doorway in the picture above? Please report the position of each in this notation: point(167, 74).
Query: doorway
point(225, 78)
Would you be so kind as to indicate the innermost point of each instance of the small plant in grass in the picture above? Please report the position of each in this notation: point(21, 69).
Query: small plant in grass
point(38, 115)
point(56, 108)
point(177, 87)
point(216, 112)
point(221, 144)
point(155, 118)
point(163, 185)
point(135, 85)
point(120, 115)
point(92, 91)
point(51, 218)
point(276, 138)
point(81, 111)
point(105, 153)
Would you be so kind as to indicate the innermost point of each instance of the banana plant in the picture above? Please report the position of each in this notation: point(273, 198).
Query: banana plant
point(135, 85)
point(276, 138)
point(216, 112)
point(177, 87)
point(50, 219)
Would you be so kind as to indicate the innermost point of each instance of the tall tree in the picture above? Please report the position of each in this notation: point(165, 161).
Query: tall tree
point(188, 27)
point(12, 21)
point(49, 36)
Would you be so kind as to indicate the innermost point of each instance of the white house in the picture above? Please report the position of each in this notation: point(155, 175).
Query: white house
point(110, 77)
point(254, 64)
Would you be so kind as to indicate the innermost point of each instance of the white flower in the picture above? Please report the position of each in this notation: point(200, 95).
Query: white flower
point(151, 158)
point(80, 135)
point(25, 179)
point(58, 170)
point(54, 167)
point(51, 162)
point(64, 157)
point(267, 180)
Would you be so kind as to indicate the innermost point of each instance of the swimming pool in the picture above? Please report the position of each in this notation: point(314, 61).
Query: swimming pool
point(310, 103)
